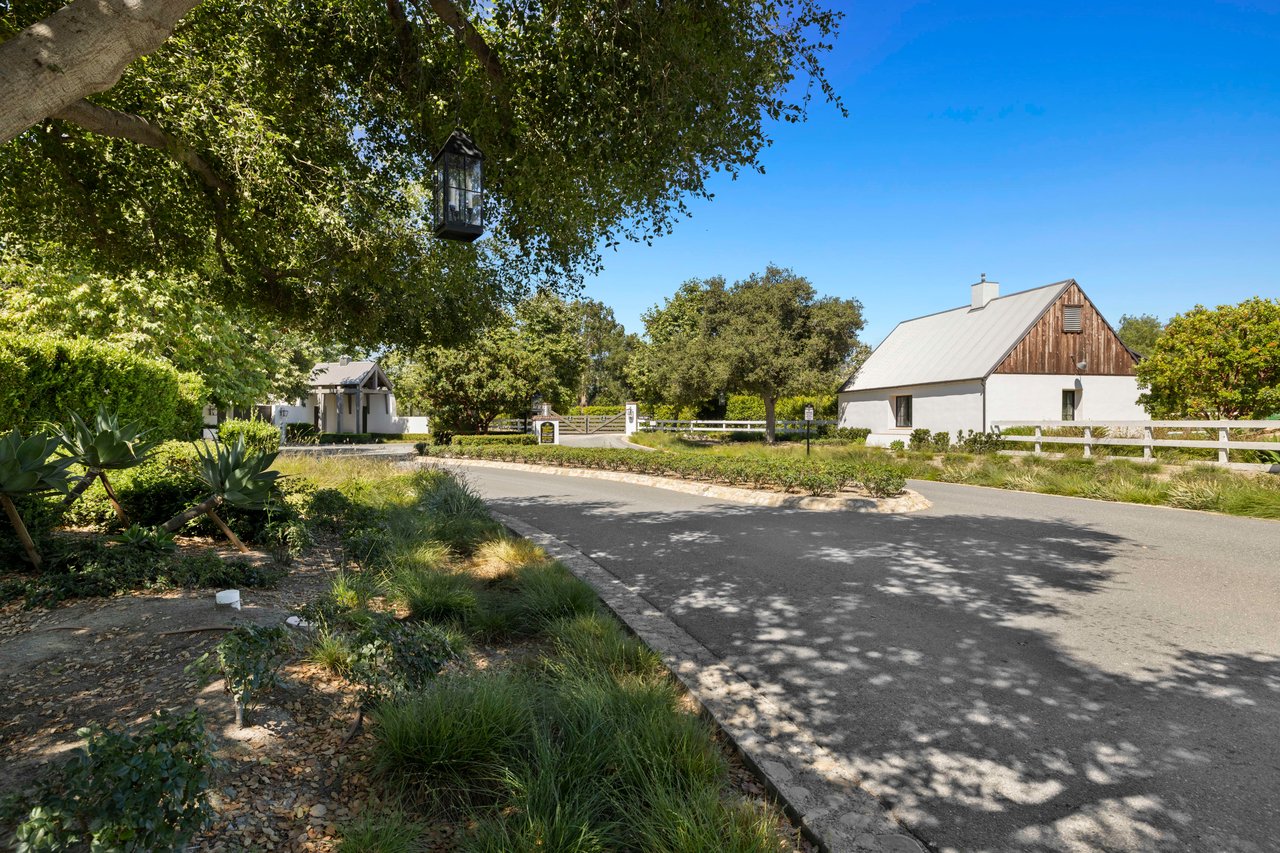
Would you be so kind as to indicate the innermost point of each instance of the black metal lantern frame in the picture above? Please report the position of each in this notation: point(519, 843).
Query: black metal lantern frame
point(459, 189)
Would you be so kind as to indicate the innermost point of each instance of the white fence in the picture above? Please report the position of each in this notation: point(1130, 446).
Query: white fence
point(725, 426)
point(1142, 434)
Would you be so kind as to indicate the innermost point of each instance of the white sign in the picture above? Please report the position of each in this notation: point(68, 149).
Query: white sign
point(808, 413)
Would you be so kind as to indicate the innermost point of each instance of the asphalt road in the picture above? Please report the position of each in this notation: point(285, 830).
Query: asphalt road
point(1010, 671)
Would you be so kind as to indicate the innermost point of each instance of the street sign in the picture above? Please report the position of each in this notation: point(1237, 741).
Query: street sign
point(808, 412)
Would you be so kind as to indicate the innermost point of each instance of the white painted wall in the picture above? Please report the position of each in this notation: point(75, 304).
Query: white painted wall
point(949, 407)
point(1026, 397)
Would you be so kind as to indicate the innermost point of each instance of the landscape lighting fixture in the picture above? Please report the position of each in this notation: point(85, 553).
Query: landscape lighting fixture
point(459, 189)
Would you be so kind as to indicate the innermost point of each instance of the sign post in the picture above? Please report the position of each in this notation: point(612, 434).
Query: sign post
point(808, 419)
point(547, 430)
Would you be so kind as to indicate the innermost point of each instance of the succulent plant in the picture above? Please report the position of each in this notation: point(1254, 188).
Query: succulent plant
point(235, 474)
point(28, 466)
point(101, 446)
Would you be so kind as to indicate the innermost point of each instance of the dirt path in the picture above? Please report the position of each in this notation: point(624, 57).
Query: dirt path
point(116, 660)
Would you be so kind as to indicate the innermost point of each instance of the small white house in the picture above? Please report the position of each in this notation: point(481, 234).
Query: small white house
point(344, 396)
point(1041, 354)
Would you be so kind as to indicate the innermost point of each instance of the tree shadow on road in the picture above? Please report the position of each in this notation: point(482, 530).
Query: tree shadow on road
point(939, 655)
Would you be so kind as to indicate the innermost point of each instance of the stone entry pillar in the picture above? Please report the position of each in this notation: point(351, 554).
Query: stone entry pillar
point(632, 425)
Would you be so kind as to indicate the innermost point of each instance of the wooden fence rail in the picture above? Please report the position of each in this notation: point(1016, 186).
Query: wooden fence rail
point(1142, 434)
point(724, 426)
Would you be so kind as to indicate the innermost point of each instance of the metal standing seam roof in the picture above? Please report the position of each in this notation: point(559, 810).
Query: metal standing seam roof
point(963, 343)
point(329, 373)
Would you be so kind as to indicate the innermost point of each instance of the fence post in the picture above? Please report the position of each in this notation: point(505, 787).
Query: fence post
point(1088, 442)
point(1037, 444)
point(1148, 435)
point(1224, 440)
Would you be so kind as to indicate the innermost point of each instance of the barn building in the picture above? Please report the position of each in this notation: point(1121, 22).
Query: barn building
point(1040, 354)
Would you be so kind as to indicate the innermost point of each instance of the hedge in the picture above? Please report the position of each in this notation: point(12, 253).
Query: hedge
point(744, 407)
point(43, 378)
point(593, 411)
point(349, 438)
point(257, 434)
point(494, 438)
point(815, 477)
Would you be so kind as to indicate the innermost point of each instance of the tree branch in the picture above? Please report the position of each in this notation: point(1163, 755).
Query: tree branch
point(80, 49)
point(122, 125)
point(449, 13)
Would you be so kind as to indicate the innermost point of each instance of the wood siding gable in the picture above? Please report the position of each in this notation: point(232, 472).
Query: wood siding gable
point(1047, 349)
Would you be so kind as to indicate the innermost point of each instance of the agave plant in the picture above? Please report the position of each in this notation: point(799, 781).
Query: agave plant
point(28, 466)
point(105, 445)
point(235, 475)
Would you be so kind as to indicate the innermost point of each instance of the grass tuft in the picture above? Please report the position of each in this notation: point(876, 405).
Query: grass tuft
point(386, 832)
point(438, 595)
point(451, 744)
point(499, 559)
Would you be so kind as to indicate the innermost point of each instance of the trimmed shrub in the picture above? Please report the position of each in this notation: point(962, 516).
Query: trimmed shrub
point(301, 434)
point(494, 438)
point(978, 442)
point(745, 407)
point(921, 439)
point(594, 411)
point(854, 434)
point(348, 438)
point(941, 441)
point(43, 378)
point(258, 435)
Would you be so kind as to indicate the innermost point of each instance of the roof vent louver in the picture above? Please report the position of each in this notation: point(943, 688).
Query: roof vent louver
point(1072, 318)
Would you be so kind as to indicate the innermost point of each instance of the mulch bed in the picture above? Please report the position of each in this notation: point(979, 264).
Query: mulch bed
point(289, 780)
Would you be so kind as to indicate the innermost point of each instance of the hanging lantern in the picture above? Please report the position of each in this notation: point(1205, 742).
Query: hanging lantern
point(458, 189)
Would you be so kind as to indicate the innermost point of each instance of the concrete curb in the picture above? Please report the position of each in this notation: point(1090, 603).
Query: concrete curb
point(818, 790)
point(908, 501)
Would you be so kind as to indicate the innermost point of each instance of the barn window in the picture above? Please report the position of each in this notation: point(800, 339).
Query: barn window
point(1069, 404)
point(1072, 318)
point(902, 410)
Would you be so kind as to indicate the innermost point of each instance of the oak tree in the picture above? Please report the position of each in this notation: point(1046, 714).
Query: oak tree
point(281, 151)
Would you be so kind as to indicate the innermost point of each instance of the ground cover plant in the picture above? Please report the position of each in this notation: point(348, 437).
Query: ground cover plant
point(788, 473)
point(165, 767)
point(580, 741)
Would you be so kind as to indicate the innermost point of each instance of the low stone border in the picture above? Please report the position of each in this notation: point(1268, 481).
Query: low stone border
point(818, 790)
point(908, 501)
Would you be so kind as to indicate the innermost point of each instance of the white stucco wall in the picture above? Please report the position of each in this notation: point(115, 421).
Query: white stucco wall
point(949, 407)
point(291, 413)
point(1025, 397)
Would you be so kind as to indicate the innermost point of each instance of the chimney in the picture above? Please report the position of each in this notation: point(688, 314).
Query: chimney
point(983, 292)
point(346, 359)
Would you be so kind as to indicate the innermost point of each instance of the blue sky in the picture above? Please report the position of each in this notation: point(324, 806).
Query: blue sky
point(1133, 147)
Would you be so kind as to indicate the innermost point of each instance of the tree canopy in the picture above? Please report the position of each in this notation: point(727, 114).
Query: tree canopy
point(281, 152)
point(606, 348)
point(533, 350)
point(1139, 332)
point(768, 335)
point(241, 360)
point(1216, 363)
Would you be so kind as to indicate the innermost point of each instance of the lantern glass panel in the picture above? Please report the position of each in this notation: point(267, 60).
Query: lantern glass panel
point(458, 190)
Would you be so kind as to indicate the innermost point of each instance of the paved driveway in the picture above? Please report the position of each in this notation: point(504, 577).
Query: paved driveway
point(1009, 671)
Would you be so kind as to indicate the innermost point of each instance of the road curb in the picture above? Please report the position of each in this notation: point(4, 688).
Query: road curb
point(909, 501)
point(818, 790)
